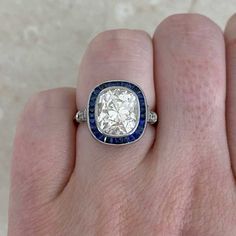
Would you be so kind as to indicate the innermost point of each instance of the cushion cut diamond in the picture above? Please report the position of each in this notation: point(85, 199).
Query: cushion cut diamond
point(117, 111)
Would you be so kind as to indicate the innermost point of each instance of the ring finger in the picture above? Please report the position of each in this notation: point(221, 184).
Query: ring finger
point(114, 55)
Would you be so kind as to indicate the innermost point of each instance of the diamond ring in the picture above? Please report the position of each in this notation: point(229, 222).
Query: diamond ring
point(117, 113)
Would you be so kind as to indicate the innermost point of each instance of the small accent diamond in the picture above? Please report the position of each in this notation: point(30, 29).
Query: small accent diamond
point(117, 111)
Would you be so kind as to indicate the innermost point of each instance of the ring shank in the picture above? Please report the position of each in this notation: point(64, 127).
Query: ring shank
point(152, 117)
point(81, 116)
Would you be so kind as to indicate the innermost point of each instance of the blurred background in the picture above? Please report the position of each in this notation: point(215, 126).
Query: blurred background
point(41, 44)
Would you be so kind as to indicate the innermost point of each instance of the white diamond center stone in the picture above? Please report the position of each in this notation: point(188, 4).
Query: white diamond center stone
point(117, 111)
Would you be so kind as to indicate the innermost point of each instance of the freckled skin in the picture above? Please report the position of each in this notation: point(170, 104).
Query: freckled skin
point(177, 180)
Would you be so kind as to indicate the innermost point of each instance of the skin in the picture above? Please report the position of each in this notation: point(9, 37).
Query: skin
point(179, 179)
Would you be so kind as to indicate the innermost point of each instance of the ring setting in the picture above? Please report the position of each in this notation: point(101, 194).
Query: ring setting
point(117, 113)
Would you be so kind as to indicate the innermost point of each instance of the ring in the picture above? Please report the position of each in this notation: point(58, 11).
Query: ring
point(117, 113)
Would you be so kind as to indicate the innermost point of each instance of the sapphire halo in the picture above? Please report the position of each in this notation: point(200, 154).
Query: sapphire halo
point(117, 113)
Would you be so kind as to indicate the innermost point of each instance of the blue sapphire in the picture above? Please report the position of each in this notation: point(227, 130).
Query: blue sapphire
point(92, 104)
point(139, 131)
point(118, 140)
point(139, 94)
point(141, 100)
point(95, 131)
point(136, 90)
point(128, 85)
point(102, 86)
point(96, 91)
point(93, 96)
point(142, 123)
point(92, 120)
point(110, 140)
point(125, 139)
point(115, 141)
point(136, 135)
point(98, 134)
point(102, 138)
point(131, 138)
point(142, 109)
point(123, 84)
point(142, 118)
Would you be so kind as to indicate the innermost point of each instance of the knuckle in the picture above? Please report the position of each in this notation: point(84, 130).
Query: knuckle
point(34, 108)
point(199, 86)
point(196, 49)
point(191, 26)
point(39, 99)
point(52, 98)
point(120, 45)
point(33, 114)
point(121, 35)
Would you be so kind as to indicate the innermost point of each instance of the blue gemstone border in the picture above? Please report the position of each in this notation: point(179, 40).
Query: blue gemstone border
point(142, 118)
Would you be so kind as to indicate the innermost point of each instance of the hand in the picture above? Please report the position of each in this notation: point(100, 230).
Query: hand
point(177, 180)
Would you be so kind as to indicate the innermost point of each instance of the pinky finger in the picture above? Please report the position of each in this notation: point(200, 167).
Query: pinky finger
point(44, 151)
point(230, 37)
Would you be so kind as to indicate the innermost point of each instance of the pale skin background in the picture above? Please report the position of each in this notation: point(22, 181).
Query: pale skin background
point(41, 44)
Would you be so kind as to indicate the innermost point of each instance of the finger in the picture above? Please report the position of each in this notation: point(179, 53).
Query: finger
point(190, 81)
point(230, 36)
point(44, 147)
point(115, 55)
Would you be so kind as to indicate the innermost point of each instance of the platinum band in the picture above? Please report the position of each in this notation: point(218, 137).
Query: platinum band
point(81, 116)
